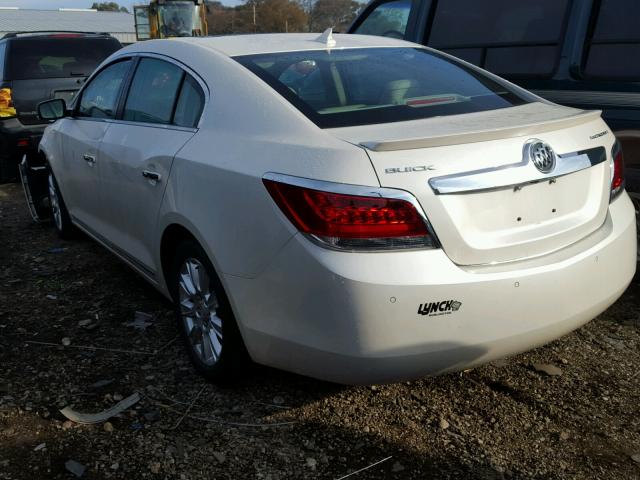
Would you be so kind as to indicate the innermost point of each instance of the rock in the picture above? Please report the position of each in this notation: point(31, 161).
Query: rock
point(547, 369)
point(564, 435)
point(66, 341)
point(75, 468)
point(636, 457)
point(220, 457)
point(397, 467)
point(366, 429)
point(84, 323)
point(67, 424)
point(278, 400)
point(101, 383)
point(108, 427)
point(115, 466)
point(117, 397)
point(443, 424)
point(52, 297)
point(155, 467)
point(42, 446)
point(311, 463)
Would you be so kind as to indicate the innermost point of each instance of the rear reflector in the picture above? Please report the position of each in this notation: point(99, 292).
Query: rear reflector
point(6, 104)
point(349, 221)
point(617, 170)
point(23, 142)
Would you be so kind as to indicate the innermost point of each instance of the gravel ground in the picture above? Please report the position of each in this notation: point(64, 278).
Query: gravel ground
point(503, 420)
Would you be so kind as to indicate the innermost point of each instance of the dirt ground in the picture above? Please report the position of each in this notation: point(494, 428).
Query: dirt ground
point(501, 421)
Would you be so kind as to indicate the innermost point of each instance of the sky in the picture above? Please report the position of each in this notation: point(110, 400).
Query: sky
point(55, 4)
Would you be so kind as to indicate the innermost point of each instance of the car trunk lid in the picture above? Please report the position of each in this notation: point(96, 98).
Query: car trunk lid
point(485, 201)
point(53, 66)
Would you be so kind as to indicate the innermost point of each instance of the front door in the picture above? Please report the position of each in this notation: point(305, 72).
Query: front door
point(81, 136)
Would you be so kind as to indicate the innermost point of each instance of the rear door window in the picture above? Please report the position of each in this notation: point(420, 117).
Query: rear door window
point(100, 97)
point(154, 91)
point(614, 49)
point(387, 19)
point(190, 104)
point(67, 56)
point(507, 37)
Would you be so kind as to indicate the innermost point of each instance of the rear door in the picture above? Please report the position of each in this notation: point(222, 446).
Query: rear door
point(79, 169)
point(52, 67)
point(160, 115)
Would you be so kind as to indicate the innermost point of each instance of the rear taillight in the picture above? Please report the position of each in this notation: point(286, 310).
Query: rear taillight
point(6, 104)
point(351, 218)
point(617, 170)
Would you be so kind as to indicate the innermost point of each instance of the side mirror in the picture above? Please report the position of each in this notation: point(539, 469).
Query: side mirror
point(52, 109)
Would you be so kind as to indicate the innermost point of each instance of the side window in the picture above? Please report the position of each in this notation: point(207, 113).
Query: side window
point(3, 48)
point(387, 19)
point(512, 38)
point(190, 104)
point(153, 92)
point(100, 97)
point(615, 46)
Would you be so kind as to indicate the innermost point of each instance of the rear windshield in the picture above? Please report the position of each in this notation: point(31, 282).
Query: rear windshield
point(341, 88)
point(57, 57)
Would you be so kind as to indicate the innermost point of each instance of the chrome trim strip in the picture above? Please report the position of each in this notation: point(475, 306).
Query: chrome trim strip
point(360, 190)
point(515, 174)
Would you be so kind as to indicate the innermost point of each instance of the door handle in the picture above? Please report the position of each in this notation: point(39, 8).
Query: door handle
point(90, 159)
point(151, 175)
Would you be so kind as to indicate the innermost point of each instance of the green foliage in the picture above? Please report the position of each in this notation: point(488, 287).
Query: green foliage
point(109, 7)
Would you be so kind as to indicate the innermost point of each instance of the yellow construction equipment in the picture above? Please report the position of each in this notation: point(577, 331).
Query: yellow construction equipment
point(171, 18)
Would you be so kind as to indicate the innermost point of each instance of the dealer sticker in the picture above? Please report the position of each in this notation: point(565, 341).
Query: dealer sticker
point(443, 307)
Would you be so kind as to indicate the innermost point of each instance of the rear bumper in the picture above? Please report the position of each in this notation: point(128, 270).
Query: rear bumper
point(354, 318)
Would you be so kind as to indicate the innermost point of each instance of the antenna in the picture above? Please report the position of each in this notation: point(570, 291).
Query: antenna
point(327, 38)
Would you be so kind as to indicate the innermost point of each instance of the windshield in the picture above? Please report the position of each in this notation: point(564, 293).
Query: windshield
point(338, 88)
point(179, 19)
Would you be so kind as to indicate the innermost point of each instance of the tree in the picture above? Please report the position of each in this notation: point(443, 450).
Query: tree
point(108, 7)
point(265, 16)
point(332, 13)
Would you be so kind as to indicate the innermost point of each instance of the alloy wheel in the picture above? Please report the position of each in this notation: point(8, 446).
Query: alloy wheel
point(199, 311)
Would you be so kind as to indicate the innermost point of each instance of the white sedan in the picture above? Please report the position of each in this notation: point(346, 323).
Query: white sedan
point(357, 209)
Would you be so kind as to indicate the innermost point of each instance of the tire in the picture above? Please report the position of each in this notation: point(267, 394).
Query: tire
point(210, 332)
point(59, 213)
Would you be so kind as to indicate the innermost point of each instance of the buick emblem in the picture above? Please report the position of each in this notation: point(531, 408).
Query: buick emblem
point(541, 155)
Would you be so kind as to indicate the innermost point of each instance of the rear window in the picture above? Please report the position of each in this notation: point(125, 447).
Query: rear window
point(341, 88)
point(32, 58)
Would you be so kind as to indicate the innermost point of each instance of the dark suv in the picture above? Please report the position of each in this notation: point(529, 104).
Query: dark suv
point(581, 53)
point(38, 66)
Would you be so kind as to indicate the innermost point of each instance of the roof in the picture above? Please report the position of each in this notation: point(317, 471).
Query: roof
point(19, 20)
point(236, 45)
